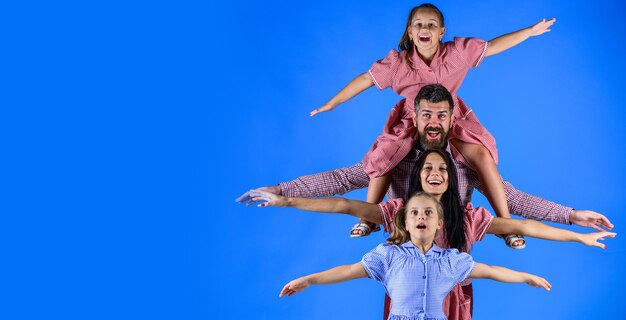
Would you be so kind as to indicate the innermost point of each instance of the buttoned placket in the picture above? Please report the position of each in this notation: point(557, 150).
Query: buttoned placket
point(425, 278)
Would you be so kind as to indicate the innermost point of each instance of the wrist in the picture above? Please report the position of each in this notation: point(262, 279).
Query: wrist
point(571, 215)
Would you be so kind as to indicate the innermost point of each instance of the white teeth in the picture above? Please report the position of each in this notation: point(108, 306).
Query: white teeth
point(435, 182)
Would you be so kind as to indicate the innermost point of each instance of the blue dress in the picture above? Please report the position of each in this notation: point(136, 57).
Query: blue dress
point(417, 283)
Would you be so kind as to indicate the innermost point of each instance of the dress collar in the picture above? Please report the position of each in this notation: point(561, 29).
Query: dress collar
point(435, 248)
point(418, 63)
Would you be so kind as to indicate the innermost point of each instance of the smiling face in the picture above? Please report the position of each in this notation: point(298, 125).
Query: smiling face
point(434, 175)
point(423, 219)
point(433, 121)
point(426, 31)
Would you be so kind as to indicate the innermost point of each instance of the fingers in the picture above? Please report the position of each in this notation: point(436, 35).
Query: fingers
point(244, 197)
point(545, 284)
point(603, 221)
point(288, 290)
point(595, 226)
point(321, 109)
point(600, 236)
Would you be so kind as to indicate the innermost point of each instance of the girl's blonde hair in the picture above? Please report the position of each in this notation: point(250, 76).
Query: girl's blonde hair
point(400, 234)
point(405, 42)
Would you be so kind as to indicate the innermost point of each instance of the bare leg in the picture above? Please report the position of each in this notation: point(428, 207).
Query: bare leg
point(479, 158)
point(375, 193)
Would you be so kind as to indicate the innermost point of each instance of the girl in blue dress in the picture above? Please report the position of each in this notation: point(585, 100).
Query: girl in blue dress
point(410, 265)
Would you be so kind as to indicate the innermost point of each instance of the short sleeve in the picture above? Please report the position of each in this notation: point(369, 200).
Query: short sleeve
point(477, 221)
point(472, 50)
point(383, 70)
point(388, 211)
point(462, 265)
point(377, 262)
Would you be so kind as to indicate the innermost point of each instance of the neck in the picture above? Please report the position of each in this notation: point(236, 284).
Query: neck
point(423, 245)
point(437, 196)
point(427, 55)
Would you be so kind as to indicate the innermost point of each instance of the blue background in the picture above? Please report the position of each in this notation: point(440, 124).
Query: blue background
point(128, 129)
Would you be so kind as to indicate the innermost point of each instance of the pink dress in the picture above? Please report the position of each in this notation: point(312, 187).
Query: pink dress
point(449, 66)
point(457, 304)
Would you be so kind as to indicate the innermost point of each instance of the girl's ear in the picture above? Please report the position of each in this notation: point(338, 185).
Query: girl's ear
point(439, 224)
point(443, 31)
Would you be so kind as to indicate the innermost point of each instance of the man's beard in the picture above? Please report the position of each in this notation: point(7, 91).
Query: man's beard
point(429, 144)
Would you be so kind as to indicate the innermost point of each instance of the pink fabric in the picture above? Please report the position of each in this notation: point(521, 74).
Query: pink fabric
point(449, 67)
point(457, 304)
point(388, 210)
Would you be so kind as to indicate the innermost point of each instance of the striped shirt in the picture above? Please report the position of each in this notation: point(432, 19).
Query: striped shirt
point(417, 283)
point(343, 180)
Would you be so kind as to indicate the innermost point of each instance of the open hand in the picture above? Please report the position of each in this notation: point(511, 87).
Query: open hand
point(590, 219)
point(247, 197)
point(542, 27)
point(591, 239)
point(270, 199)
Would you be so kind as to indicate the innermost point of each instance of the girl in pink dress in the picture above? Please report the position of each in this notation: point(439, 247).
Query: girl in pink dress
point(424, 59)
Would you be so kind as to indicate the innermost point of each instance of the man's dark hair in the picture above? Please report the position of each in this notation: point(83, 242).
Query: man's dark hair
point(434, 93)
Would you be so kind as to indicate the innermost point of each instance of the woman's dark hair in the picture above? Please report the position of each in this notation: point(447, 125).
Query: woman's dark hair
point(454, 223)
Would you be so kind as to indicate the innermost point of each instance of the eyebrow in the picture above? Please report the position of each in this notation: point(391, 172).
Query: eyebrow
point(430, 111)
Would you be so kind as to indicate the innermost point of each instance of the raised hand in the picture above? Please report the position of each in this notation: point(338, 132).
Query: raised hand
point(542, 27)
point(590, 219)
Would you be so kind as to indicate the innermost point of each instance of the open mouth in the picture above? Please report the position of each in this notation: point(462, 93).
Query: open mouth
point(433, 132)
point(434, 182)
point(421, 226)
point(424, 39)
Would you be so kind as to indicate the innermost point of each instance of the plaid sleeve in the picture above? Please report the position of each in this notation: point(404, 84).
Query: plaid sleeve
point(533, 207)
point(530, 206)
point(325, 184)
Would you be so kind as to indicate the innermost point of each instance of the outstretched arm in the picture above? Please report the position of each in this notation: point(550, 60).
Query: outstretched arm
point(532, 207)
point(334, 275)
point(507, 275)
point(368, 211)
point(539, 230)
point(512, 39)
point(356, 86)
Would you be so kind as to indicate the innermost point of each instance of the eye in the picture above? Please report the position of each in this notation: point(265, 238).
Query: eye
point(429, 212)
point(426, 115)
point(442, 116)
point(431, 25)
point(413, 212)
